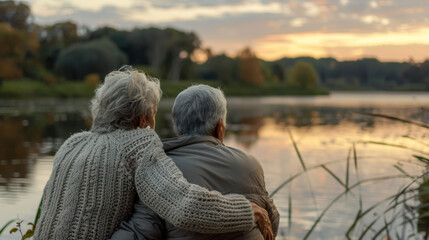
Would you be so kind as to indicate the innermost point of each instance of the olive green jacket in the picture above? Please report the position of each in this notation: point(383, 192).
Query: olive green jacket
point(207, 162)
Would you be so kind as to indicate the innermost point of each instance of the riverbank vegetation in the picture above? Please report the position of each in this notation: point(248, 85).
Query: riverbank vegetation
point(403, 215)
point(65, 54)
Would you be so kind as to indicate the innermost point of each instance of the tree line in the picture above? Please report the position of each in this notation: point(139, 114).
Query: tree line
point(65, 51)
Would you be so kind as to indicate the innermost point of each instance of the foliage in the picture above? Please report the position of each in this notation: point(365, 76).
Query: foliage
point(165, 51)
point(304, 75)
point(171, 89)
point(54, 38)
point(401, 213)
point(15, 14)
point(16, 49)
point(220, 68)
point(19, 229)
point(97, 56)
point(250, 67)
point(25, 88)
point(92, 80)
point(278, 72)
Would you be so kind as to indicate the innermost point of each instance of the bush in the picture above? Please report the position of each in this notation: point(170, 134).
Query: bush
point(92, 80)
point(99, 56)
point(304, 75)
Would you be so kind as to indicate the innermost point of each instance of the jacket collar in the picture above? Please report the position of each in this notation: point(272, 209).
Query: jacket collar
point(184, 140)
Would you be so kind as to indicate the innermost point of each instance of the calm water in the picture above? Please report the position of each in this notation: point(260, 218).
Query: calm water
point(324, 128)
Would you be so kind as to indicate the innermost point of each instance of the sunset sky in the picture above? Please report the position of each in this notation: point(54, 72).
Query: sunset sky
point(395, 30)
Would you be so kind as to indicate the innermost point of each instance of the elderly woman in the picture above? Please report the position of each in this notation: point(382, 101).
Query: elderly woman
point(97, 175)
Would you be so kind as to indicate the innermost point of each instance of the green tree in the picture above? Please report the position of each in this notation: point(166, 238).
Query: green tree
point(221, 68)
point(180, 47)
point(53, 39)
point(278, 72)
point(304, 75)
point(97, 56)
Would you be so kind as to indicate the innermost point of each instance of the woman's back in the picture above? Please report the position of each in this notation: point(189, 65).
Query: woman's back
point(91, 189)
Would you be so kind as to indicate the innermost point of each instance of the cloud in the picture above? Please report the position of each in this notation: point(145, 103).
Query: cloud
point(154, 14)
point(298, 22)
point(107, 15)
point(311, 9)
point(370, 19)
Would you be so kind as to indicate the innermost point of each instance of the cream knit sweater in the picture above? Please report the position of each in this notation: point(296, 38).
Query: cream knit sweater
point(96, 177)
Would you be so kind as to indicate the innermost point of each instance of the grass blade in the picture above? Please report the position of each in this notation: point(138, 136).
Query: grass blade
point(7, 224)
point(347, 169)
point(385, 227)
point(334, 176)
point(420, 124)
point(342, 194)
point(355, 156)
point(395, 145)
point(416, 140)
point(354, 224)
point(296, 150)
point(403, 171)
point(290, 211)
point(362, 235)
point(422, 159)
point(287, 181)
point(39, 209)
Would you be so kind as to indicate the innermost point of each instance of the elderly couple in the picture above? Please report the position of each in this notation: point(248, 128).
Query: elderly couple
point(120, 181)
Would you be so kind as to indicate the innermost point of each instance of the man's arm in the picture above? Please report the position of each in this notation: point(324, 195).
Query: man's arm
point(144, 224)
point(268, 204)
point(162, 187)
point(264, 200)
point(273, 214)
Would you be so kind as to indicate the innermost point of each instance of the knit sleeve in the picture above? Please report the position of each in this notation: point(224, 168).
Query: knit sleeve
point(162, 187)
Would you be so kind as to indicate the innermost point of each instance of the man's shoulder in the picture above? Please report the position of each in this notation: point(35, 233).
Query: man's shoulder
point(242, 156)
point(237, 151)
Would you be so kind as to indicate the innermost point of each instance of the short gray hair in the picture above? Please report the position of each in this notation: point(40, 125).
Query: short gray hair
point(125, 95)
point(198, 109)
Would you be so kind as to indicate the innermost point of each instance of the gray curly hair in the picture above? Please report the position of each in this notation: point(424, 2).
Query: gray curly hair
point(125, 95)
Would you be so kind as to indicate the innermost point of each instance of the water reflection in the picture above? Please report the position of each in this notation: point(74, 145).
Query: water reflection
point(14, 153)
point(25, 137)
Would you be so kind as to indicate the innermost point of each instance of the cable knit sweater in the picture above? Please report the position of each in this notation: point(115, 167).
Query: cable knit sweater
point(96, 177)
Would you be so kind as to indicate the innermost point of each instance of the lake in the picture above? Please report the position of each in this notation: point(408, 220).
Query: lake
point(327, 130)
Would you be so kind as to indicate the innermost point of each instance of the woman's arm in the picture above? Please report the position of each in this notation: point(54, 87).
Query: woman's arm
point(162, 187)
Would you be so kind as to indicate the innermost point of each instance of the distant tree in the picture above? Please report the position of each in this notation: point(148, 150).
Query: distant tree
point(96, 56)
point(18, 40)
point(417, 73)
point(221, 68)
point(14, 13)
point(11, 52)
point(165, 51)
point(54, 38)
point(181, 45)
point(250, 67)
point(18, 49)
point(278, 72)
point(304, 75)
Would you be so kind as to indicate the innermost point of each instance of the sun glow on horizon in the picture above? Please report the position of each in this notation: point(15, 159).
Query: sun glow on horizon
point(407, 43)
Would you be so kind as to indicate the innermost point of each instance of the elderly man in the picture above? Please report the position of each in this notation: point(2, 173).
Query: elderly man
point(199, 117)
